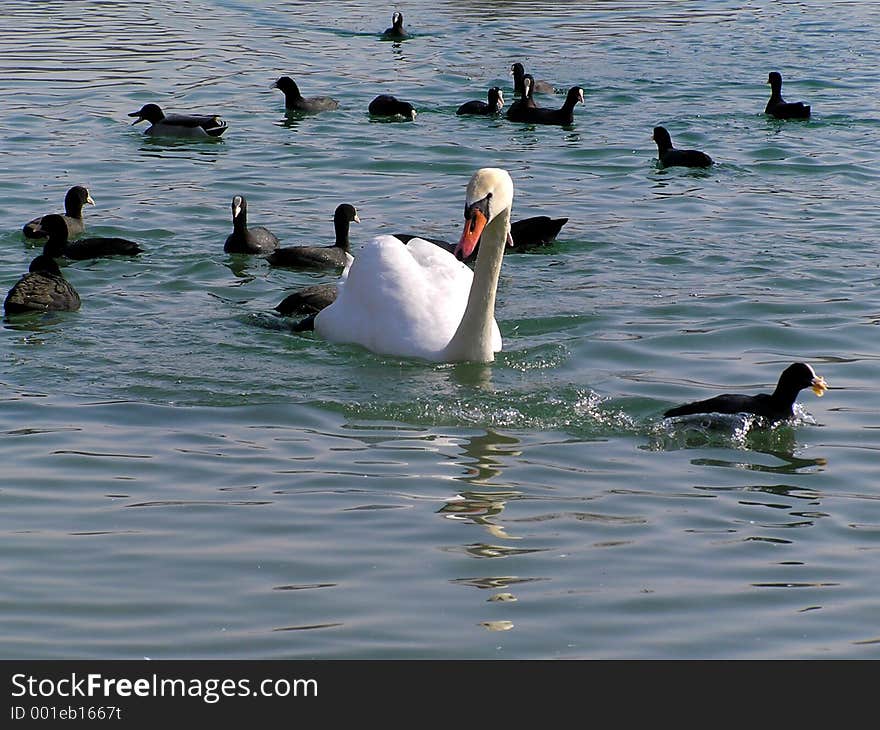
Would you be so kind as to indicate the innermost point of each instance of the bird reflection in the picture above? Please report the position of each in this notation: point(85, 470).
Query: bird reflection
point(791, 464)
point(742, 433)
point(485, 451)
point(485, 457)
point(290, 120)
point(473, 375)
point(238, 266)
point(496, 583)
point(484, 550)
point(479, 508)
point(483, 463)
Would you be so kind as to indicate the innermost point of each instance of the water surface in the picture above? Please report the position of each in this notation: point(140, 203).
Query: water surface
point(186, 477)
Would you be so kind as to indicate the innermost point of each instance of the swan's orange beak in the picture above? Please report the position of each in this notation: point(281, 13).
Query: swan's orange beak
point(470, 237)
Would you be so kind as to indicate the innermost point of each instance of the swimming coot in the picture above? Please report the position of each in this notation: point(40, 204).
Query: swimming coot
point(74, 201)
point(493, 105)
point(519, 73)
point(778, 107)
point(562, 116)
point(92, 247)
point(294, 101)
point(321, 257)
point(386, 105)
point(775, 406)
point(43, 288)
point(521, 107)
point(671, 157)
point(396, 32)
point(247, 240)
point(309, 300)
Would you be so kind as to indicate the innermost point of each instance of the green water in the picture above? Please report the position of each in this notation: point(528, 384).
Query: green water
point(187, 477)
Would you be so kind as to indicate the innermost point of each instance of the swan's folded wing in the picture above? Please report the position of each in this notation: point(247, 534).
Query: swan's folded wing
point(398, 299)
point(453, 281)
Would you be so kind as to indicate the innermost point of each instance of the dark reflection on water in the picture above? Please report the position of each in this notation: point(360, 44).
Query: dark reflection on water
point(34, 321)
point(485, 550)
point(238, 265)
point(782, 490)
point(494, 583)
point(792, 464)
point(194, 502)
point(291, 120)
point(310, 627)
point(154, 142)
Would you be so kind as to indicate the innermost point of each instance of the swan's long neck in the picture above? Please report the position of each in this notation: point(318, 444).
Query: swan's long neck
point(472, 341)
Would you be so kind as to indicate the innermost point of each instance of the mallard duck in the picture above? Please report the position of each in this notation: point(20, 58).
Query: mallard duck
point(178, 125)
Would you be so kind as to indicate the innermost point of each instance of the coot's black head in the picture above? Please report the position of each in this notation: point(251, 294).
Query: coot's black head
point(151, 112)
point(56, 229)
point(575, 95)
point(239, 208)
point(389, 105)
point(798, 376)
point(397, 21)
point(775, 79)
point(496, 98)
point(75, 199)
point(662, 138)
point(518, 72)
point(346, 213)
point(287, 85)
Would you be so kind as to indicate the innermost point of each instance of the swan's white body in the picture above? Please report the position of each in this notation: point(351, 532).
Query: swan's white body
point(418, 300)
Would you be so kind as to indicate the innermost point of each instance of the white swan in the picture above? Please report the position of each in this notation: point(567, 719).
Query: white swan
point(418, 300)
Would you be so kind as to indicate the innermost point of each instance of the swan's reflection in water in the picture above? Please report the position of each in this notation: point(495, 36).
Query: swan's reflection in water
point(474, 375)
point(482, 503)
point(479, 508)
point(483, 462)
point(485, 455)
